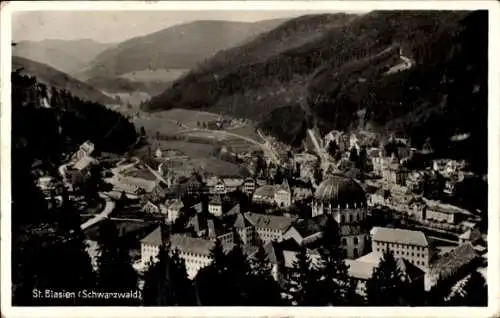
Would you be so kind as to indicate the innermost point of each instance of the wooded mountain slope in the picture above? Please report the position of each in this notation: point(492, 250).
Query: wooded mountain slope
point(343, 70)
point(52, 77)
point(177, 47)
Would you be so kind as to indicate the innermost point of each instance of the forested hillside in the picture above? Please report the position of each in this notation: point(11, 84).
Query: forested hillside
point(62, 81)
point(177, 47)
point(48, 250)
point(47, 122)
point(345, 68)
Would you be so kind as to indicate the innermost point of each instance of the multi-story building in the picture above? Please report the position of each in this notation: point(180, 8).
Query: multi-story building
point(249, 186)
point(194, 251)
point(269, 227)
point(344, 198)
point(283, 195)
point(306, 231)
point(215, 206)
point(85, 150)
point(410, 245)
point(395, 174)
point(173, 210)
point(441, 212)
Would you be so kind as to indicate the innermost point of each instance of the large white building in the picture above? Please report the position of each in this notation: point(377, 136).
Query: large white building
point(344, 198)
point(410, 245)
point(194, 251)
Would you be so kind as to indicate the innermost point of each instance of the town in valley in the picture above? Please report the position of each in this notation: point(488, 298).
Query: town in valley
point(200, 207)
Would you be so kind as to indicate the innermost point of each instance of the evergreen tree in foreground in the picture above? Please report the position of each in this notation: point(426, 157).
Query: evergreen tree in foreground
point(265, 290)
point(336, 286)
point(166, 281)
point(387, 287)
point(303, 282)
point(115, 273)
point(211, 282)
point(474, 293)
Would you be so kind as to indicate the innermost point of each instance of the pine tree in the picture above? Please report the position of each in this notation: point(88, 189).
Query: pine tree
point(238, 277)
point(166, 282)
point(386, 287)
point(474, 293)
point(115, 271)
point(337, 288)
point(211, 283)
point(303, 282)
point(265, 291)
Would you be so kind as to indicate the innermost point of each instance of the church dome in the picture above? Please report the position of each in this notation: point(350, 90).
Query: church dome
point(340, 190)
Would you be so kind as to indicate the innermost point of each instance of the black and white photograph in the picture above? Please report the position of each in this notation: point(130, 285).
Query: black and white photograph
point(249, 157)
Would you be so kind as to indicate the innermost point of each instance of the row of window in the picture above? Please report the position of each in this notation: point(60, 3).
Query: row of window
point(397, 252)
point(398, 245)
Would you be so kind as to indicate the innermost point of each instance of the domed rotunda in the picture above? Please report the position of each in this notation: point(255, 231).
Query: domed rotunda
point(344, 198)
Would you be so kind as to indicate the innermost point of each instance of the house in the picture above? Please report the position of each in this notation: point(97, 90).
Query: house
point(453, 266)
point(194, 251)
point(395, 174)
point(301, 193)
point(215, 206)
point(471, 235)
point(442, 212)
point(264, 194)
point(269, 227)
point(410, 245)
point(361, 270)
point(380, 197)
point(417, 209)
point(306, 231)
point(150, 208)
point(218, 185)
point(173, 210)
point(134, 185)
point(45, 183)
point(283, 195)
point(249, 186)
point(86, 149)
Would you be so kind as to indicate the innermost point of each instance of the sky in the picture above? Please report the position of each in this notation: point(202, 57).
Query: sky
point(117, 26)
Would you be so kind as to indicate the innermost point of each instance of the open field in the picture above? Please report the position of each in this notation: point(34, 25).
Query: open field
point(189, 118)
point(246, 131)
point(200, 157)
point(161, 75)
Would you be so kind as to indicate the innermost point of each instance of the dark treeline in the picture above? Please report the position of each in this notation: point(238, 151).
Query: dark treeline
point(62, 122)
point(48, 250)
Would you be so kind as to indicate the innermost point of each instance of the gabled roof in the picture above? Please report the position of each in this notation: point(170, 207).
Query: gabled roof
point(273, 222)
point(200, 246)
point(399, 236)
point(310, 226)
point(451, 262)
point(363, 267)
point(241, 221)
point(234, 210)
point(153, 238)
